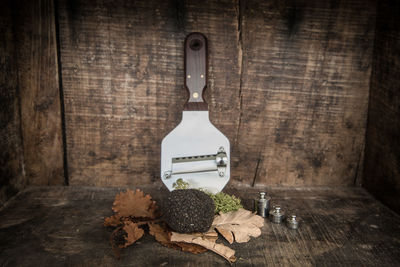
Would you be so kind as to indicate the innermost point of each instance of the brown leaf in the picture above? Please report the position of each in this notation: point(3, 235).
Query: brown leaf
point(224, 251)
point(163, 235)
point(133, 233)
point(160, 233)
point(210, 235)
point(192, 248)
point(134, 204)
point(114, 220)
point(242, 224)
point(226, 234)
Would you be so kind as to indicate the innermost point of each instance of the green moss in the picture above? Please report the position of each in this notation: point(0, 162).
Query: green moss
point(180, 184)
point(225, 203)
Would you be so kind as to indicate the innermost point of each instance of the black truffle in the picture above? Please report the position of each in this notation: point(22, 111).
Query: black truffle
point(189, 211)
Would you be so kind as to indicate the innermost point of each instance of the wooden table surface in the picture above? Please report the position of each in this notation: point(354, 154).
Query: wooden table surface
point(62, 226)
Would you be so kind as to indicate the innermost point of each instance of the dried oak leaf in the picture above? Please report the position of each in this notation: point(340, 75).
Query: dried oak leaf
point(113, 220)
point(160, 233)
point(210, 235)
point(134, 204)
point(192, 248)
point(224, 251)
point(163, 235)
point(133, 233)
point(238, 225)
point(124, 236)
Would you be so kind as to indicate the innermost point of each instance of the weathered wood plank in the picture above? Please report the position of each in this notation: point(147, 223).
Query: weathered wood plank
point(304, 91)
point(36, 50)
point(288, 86)
point(122, 68)
point(58, 226)
point(382, 162)
point(12, 176)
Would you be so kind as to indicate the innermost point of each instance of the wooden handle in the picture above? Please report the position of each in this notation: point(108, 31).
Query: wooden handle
point(196, 70)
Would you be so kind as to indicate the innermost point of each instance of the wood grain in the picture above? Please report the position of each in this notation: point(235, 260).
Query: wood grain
point(12, 176)
point(38, 83)
point(382, 162)
point(304, 92)
point(288, 85)
point(58, 226)
point(122, 68)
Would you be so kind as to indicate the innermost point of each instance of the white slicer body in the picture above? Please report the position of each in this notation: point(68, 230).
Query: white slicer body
point(196, 151)
point(190, 152)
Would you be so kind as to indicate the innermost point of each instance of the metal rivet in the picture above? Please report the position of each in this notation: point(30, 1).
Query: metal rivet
point(195, 95)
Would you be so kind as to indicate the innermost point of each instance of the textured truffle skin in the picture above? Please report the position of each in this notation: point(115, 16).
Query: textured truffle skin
point(189, 211)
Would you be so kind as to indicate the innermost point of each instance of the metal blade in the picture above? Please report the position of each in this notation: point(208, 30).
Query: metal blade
point(194, 136)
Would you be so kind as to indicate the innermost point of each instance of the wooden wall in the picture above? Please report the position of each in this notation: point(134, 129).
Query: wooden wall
point(304, 91)
point(36, 46)
point(12, 178)
point(288, 85)
point(31, 130)
point(382, 162)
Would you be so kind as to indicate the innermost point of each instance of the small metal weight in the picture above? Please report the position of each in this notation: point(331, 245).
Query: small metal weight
point(276, 215)
point(292, 222)
point(263, 205)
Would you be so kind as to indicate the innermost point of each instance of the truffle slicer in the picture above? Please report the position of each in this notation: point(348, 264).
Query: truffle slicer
point(196, 151)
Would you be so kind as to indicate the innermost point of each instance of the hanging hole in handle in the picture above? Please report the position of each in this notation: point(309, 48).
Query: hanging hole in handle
point(195, 44)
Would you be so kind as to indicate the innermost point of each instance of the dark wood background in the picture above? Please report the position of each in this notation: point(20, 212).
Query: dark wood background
point(11, 161)
point(288, 86)
point(99, 84)
point(382, 162)
point(31, 134)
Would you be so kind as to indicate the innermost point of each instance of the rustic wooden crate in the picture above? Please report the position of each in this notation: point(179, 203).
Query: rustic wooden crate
point(306, 91)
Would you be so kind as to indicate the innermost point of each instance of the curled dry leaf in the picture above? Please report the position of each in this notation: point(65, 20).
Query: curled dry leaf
point(132, 209)
point(124, 236)
point(238, 225)
point(224, 251)
point(133, 233)
point(113, 220)
point(226, 234)
point(163, 235)
point(210, 235)
point(192, 248)
point(160, 233)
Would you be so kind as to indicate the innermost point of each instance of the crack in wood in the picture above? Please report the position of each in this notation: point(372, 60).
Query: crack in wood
point(180, 13)
point(240, 65)
point(360, 155)
point(61, 93)
point(256, 172)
